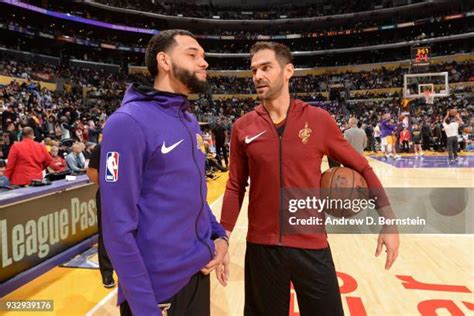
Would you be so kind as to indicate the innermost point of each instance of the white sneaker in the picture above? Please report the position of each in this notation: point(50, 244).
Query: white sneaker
point(421, 154)
point(416, 155)
point(398, 156)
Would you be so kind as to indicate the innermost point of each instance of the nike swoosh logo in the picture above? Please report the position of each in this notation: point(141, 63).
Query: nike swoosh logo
point(165, 150)
point(251, 139)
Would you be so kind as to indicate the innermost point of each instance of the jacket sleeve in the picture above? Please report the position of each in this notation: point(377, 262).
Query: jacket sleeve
point(237, 183)
point(119, 197)
point(217, 229)
point(72, 164)
point(338, 148)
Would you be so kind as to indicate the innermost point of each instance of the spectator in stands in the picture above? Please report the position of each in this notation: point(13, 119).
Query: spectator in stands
point(48, 125)
point(48, 143)
point(30, 104)
point(8, 116)
point(74, 160)
point(58, 164)
point(9, 138)
point(405, 140)
point(65, 128)
point(27, 160)
point(93, 132)
point(4, 182)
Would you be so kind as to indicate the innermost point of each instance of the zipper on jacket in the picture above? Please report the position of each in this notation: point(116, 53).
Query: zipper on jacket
point(280, 160)
point(200, 186)
point(281, 182)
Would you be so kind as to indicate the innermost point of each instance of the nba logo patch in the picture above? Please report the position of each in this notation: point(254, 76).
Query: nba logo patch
point(112, 167)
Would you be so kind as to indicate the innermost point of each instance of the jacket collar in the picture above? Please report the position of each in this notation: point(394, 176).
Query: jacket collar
point(171, 103)
point(296, 105)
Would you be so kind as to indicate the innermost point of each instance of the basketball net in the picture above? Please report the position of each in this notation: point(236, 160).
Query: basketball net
point(429, 98)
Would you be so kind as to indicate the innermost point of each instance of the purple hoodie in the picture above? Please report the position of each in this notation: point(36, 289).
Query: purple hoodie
point(157, 225)
point(386, 129)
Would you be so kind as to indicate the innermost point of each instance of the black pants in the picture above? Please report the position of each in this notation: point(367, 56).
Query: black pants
point(405, 146)
point(371, 144)
point(269, 270)
point(216, 164)
point(105, 265)
point(221, 153)
point(426, 142)
point(452, 145)
point(193, 299)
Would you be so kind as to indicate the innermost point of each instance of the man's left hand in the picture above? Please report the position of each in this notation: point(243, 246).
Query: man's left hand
point(391, 239)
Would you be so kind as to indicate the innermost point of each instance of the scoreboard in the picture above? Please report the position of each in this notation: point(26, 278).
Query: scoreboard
point(420, 56)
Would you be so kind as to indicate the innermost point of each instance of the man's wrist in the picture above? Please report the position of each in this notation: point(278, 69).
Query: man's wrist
point(225, 238)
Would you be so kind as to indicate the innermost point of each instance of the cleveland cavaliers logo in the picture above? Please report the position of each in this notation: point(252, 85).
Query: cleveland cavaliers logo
point(200, 143)
point(305, 133)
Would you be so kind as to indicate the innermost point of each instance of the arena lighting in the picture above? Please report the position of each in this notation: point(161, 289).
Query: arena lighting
point(78, 18)
point(153, 31)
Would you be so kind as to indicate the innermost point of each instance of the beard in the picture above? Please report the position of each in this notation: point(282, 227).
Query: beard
point(273, 90)
point(189, 79)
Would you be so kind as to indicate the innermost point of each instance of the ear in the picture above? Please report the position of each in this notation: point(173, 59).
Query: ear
point(289, 71)
point(163, 61)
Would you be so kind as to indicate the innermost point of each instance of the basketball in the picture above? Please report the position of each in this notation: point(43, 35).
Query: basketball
point(345, 184)
point(453, 112)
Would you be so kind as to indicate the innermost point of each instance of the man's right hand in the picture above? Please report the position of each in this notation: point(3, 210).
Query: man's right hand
point(221, 247)
point(222, 271)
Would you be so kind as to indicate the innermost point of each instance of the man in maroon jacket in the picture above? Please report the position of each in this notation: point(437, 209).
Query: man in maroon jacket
point(280, 145)
point(27, 160)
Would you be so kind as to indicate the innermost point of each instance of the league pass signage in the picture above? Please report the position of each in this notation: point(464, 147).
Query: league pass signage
point(38, 229)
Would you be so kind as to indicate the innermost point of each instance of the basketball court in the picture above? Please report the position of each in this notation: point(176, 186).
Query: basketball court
point(432, 272)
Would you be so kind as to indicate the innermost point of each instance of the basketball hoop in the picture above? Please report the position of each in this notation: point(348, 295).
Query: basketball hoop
point(429, 98)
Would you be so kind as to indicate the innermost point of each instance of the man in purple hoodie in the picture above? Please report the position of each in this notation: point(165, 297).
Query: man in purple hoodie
point(158, 229)
point(386, 132)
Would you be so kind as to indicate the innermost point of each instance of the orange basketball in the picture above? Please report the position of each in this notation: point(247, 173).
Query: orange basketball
point(341, 183)
point(453, 112)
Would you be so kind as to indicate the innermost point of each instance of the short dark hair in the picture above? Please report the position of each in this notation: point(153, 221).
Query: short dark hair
point(161, 42)
point(282, 52)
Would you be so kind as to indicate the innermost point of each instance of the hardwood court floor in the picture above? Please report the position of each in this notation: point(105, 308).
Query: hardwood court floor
point(443, 265)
